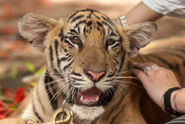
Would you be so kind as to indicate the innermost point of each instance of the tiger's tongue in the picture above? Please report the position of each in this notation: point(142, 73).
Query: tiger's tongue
point(90, 94)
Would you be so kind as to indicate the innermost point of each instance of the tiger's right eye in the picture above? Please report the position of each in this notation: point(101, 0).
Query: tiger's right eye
point(75, 39)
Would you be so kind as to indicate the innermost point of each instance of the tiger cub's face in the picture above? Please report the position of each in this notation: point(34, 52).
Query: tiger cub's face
point(88, 51)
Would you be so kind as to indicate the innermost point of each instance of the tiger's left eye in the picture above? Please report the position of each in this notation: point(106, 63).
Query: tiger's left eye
point(75, 39)
point(110, 42)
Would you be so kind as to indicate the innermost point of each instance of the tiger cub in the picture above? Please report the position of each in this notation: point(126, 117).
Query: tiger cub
point(86, 57)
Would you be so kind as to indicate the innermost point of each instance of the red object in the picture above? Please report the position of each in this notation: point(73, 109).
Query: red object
point(2, 110)
point(8, 106)
point(2, 117)
point(8, 30)
point(19, 95)
point(1, 103)
point(7, 10)
point(7, 93)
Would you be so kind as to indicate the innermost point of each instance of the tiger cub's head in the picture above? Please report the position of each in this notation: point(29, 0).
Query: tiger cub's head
point(89, 52)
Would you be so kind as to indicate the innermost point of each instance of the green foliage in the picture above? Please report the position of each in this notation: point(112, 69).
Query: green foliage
point(30, 66)
point(13, 71)
point(12, 108)
point(39, 71)
point(1, 92)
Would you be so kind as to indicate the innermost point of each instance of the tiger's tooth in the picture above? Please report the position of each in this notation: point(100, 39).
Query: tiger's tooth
point(81, 98)
point(97, 98)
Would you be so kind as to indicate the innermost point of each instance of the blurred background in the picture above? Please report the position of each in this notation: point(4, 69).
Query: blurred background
point(18, 59)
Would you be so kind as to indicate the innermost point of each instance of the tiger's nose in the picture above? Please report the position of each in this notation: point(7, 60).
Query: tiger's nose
point(95, 76)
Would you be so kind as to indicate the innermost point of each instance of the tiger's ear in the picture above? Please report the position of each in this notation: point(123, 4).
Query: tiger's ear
point(34, 27)
point(139, 36)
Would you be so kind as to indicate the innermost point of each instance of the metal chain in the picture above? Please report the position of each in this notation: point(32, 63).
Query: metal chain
point(66, 117)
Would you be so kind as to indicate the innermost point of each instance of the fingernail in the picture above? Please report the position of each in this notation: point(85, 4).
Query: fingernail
point(154, 66)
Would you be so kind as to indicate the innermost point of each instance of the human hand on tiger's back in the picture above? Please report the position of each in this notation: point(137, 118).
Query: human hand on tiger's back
point(155, 79)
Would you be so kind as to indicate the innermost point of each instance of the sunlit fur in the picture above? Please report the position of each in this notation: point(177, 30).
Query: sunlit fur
point(103, 46)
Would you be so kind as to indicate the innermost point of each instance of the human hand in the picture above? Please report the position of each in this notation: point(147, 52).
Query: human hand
point(155, 79)
point(12, 121)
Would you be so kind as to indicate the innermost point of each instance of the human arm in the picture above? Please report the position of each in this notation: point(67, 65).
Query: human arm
point(141, 13)
point(152, 10)
point(157, 81)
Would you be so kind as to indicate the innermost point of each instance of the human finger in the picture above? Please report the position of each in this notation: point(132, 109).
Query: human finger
point(142, 66)
point(140, 74)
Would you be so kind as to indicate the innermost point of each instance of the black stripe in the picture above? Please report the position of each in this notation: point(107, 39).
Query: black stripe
point(56, 52)
point(116, 115)
point(177, 55)
point(89, 16)
point(181, 50)
point(71, 16)
point(54, 101)
point(74, 31)
point(109, 76)
point(67, 54)
point(162, 60)
point(36, 113)
point(105, 23)
point(77, 18)
point(61, 35)
point(39, 100)
point(58, 61)
point(99, 24)
point(77, 74)
point(70, 57)
point(63, 59)
point(51, 59)
point(118, 44)
point(96, 16)
point(66, 41)
point(80, 22)
point(84, 30)
point(47, 80)
point(51, 54)
point(78, 29)
point(174, 54)
point(113, 34)
point(170, 66)
point(176, 67)
point(109, 80)
point(120, 39)
point(88, 9)
point(104, 100)
point(122, 60)
point(76, 79)
point(107, 19)
point(67, 66)
point(117, 62)
point(115, 106)
point(89, 23)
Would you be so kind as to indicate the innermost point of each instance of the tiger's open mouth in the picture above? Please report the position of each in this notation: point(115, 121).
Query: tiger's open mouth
point(90, 97)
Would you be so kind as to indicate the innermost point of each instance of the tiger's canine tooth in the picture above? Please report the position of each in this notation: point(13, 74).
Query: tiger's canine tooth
point(81, 98)
point(97, 98)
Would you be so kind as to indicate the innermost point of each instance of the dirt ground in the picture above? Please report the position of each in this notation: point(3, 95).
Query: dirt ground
point(15, 52)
